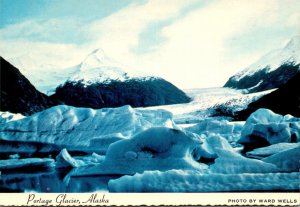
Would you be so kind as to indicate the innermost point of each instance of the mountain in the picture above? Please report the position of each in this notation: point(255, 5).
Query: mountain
point(98, 67)
point(284, 100)
point(136, 92)
point(44, 71)
point(18, 95)
point(101, 82)
point(270, 71)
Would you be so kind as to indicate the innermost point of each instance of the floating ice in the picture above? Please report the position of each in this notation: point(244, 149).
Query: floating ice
point(234, 163)
point(288, 161)
point(26, 164)
point(65, 125)
point(197, 181)
point(271, 150)
point(157, 148)
point(263, 124)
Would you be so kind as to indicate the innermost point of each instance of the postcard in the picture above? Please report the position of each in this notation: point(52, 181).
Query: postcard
point(150, 102)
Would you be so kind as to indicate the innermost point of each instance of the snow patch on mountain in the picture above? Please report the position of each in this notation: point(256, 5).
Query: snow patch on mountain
point(273, 59)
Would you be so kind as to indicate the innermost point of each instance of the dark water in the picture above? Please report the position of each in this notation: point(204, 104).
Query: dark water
point(52, 182)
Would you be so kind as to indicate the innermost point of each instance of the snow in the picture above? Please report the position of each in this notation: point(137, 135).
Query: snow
point(274, 128)
point(76, 127)
point(158, 148)
point(98, 67)
point(7, 117)
point(274, 59)
point(288, 160)
point(197, 181)
point(260, 153)
point(28, 163)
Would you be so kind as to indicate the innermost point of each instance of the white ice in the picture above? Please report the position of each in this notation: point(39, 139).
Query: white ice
point(6, 117)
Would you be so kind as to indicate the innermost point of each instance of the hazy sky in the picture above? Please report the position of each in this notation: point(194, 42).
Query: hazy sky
point(192, 43)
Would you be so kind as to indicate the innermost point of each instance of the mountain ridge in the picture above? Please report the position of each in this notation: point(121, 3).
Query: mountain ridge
point(263, 74)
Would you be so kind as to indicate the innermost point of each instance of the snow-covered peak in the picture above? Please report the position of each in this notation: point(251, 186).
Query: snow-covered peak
point(99, 67)
point(274, 59)
point(294, 44)
point(98, 59)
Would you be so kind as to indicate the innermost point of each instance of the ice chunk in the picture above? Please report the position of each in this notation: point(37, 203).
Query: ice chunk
point(212, 144)
point(157, 148)
point(29, 164)
point(230, 130)
point(264, 125)
point(78, 126)
point(231, 162)
point(14, 156)
point(64, 159)
point(271, 150)
point(288, 161)
point(195, 181)
point(7, 117)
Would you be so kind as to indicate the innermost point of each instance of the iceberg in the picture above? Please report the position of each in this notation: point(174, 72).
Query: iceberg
point(230, 162)
point(265, 127)
point(157, 148)
point(230, 130)
point(287, 161)
point(211, 145)
point(27, 164)
point(263, 152)
point(76, 127)
point(197, 181)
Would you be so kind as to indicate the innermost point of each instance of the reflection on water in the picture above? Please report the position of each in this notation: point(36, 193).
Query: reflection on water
point(54, 181)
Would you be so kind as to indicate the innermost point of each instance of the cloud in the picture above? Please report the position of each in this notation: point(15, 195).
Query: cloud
point(191, 44)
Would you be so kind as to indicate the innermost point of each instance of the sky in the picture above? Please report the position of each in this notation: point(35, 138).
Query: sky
point(191, 43)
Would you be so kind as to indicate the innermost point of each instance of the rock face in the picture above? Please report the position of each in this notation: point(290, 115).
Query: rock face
point(18, 95)
point(285, 100)
point(271, 71)
point(136, 92)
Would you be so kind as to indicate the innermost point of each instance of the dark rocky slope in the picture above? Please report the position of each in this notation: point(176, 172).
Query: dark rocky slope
point(18, 95)
point(137, 92)
point(284, 100)
point(264, 80)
